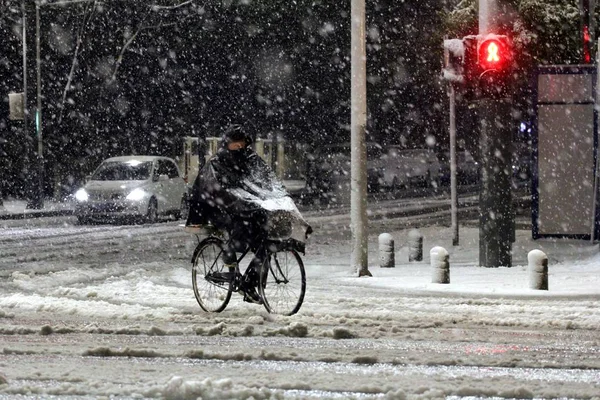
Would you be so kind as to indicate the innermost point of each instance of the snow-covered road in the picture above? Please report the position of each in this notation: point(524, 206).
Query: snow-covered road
point(107, 310)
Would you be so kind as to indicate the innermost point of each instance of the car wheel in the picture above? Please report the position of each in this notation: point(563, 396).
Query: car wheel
point(152, 213)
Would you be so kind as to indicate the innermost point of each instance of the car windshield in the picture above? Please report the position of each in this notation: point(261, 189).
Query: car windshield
point(123, 171)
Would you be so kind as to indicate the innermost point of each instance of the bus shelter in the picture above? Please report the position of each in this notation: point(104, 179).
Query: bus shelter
point(565, 147)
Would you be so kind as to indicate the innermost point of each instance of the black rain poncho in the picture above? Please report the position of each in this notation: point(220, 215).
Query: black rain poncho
point(237, 186)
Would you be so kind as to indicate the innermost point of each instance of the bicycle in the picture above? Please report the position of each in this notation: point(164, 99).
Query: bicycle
point(281, 277)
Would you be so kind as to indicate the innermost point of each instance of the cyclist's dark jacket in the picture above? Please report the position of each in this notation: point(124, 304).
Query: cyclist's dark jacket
point(235, 185)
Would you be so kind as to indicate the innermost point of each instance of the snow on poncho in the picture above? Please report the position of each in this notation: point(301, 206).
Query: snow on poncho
point(239, 183)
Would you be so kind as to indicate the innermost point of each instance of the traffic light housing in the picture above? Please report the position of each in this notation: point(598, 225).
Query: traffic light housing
point(453, 70)
point(479, 66)
point(494, 65)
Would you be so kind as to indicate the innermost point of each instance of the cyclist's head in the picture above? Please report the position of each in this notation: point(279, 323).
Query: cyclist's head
point(235, 137)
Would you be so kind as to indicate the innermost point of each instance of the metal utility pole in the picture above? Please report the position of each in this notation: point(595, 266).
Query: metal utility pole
point(358, 124)
point(453, 178)
point(597, 172)
point(454, 73)
point(38, 110)
point(587, 10)
point(32, 111)
point(488, 16)
point(496, 219)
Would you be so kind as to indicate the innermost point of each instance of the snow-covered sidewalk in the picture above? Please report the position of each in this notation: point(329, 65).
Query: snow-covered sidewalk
point(573, 265)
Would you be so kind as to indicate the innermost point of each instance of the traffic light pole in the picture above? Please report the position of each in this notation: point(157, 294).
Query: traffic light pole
point(453, 177)
point(496, 215)
point(32, 120)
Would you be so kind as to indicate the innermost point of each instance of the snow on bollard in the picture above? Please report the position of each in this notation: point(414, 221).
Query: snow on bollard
point(415, 246)
point(386, 251)
point(538, 270)
point(440, 265)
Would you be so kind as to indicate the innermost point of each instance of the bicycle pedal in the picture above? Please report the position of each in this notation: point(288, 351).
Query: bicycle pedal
point(252, 296)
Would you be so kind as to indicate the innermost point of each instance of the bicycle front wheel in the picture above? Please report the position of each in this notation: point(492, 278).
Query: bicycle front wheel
point(282, 283)
point(211, 280)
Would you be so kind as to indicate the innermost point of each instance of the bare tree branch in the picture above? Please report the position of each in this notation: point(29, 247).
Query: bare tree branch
point(127, 44)
point(64, 3)
point(185, 3)
point(80, 33)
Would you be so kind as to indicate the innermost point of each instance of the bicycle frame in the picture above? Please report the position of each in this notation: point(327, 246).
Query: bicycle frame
point(273, 275)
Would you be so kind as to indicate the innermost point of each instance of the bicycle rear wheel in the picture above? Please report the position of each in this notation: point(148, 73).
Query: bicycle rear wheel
point(211, 280)
point(282, 283)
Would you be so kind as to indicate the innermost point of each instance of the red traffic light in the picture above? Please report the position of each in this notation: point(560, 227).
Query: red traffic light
point(494, 53)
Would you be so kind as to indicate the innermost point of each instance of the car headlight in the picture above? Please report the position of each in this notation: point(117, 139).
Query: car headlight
point(136, 195)
point(81, 195)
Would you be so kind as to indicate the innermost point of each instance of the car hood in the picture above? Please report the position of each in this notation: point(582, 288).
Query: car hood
point(116, 187)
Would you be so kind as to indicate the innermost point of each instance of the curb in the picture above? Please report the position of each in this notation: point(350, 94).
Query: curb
point(35, 214)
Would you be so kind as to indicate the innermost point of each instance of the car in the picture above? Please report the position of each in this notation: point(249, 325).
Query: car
point(328, 171)
point(467, 169)
point(409, 167)
point(142, 187)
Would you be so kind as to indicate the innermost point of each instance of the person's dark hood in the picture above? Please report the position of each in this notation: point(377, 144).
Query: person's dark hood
point(239, 159)
point(236, 133)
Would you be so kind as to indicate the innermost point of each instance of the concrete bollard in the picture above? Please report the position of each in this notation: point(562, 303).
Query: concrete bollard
point(440, 265)
point(538, 270)
point(415, 246)
point(386, 251)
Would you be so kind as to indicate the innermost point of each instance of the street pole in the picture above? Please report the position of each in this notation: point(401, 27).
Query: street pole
point(38, 110)
point(33, 173)
point(453, 178)
point(597, 171)
point(26, 109)
point(587, 13)
point(496, 219)
point(358, 124)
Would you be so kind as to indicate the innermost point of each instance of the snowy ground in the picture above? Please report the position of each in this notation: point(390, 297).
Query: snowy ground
point(108, 311)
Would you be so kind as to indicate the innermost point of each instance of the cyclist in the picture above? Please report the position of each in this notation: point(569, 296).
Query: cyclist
point(223, 195)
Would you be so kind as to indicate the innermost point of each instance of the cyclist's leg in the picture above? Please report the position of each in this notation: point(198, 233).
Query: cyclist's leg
point(229, 256)
point(255, 230)
point(223, 222)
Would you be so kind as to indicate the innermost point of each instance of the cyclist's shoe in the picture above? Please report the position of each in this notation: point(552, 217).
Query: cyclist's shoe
point(251, 295)
point(249, 285)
